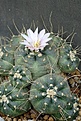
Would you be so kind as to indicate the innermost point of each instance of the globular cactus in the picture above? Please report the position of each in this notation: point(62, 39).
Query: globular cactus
point(36, 62)
point(50, 94)
point(68, 59)
point(6, 61)
point(20, 76)
point(34, 73)
point(13, 101)
point(14, 43)
point(7, 57)
point(39, 63)
point(46, 90)
point(70, 112)
point(13, 94)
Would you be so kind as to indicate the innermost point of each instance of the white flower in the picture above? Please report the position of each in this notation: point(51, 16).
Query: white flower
point(35, 40)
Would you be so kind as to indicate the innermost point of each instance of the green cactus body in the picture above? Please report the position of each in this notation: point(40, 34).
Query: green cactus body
point(70, 111)
point(6, 61)
point(68, 61)
point(20, 76)
point(39, 63)
point(49, 91)
point(38, 66)
point(7, 54)
point(50, 94)
point(13, 101)
point(14, 43)
point(35, 62)
point(57, 41)
point(52, 54)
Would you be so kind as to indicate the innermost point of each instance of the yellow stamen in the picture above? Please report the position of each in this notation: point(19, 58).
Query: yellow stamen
point(36, 44)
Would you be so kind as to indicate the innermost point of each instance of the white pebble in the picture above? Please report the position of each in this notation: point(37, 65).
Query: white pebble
point(1, 119)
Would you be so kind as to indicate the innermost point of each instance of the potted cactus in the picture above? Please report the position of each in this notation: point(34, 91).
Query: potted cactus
point(32, 65)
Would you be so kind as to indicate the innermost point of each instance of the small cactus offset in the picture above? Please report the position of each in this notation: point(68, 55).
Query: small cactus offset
point(6, 61)
point(7, 49)
point(20, 76)
point(33, 64)
point(13, 101)
point(68, 59)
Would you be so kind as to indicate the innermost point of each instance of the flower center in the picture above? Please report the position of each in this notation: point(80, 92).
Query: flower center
point(36, 44)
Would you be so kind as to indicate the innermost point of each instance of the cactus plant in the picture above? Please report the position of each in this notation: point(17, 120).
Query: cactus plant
point(20, 76)
point(7, 49)
point(13, 101)
point(6, 61)
point(33, 68)
point(13, 94)
point(68, 60)
point(70, 112)
point(50, 94)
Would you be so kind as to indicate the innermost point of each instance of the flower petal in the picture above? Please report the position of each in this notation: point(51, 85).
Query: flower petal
point(31, 48)
point(46, 36)
point(25, 43)
point(36, 34)
point(42, 46)
point(30, 33)
point(36, 31)
point(26, 37)
point(35, 41)
point(46, 40)
point(41, 34)
point(23, 35)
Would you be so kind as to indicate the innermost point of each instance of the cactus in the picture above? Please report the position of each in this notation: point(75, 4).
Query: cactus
point(34, 73)
point(68, 60)
point(13, 101)
point(6, 61)
point(50, 94)
point(20, 76)
point(70, 112)
point(13, 94)
point(7, 49)
point(39, 63)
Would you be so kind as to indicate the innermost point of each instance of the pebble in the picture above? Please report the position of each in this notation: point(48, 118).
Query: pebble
point(46, 117)
point(15, 119)
point(78, 118)
point(1, 119)
point(8, 119)
point(33, 115)
point(50, 119)
point(79, 113)
point(19, 119)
